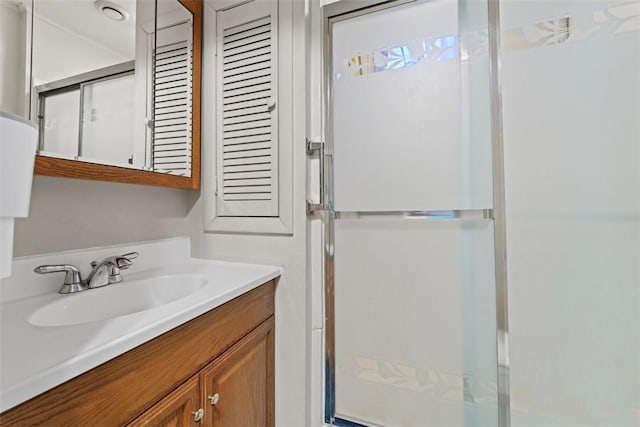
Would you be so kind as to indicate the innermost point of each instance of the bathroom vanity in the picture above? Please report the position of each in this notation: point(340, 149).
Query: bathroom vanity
point(204, 359)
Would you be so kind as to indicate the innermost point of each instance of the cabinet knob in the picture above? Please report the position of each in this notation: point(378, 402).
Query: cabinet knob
point(214, 399)
point(197, 416)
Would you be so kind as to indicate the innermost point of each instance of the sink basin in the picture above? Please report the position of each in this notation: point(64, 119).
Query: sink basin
point(116, 300)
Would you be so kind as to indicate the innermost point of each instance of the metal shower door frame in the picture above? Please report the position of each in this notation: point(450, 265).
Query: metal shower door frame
point(346, 9)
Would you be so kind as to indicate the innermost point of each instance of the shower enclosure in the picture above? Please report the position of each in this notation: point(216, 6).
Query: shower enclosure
point(475, 147)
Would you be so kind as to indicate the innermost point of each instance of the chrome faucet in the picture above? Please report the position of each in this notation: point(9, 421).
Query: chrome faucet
point(103, 273)
point(107, 271)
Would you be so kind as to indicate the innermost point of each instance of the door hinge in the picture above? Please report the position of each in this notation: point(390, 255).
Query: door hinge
point(314, 146)
point(313, 207)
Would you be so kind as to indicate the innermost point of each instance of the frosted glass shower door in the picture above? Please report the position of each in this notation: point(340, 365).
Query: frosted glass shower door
point(413, 246)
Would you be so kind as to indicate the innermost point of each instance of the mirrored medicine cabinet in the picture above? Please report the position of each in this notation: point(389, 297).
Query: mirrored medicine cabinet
point(114, 88)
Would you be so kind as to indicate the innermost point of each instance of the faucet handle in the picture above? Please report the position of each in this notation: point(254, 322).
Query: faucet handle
point(72, 279)
point(130, 255)
point(124, 261)
point(120, 261)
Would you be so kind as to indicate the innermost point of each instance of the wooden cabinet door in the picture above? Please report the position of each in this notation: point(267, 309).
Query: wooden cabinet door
point(239, 385)
point(178, 409)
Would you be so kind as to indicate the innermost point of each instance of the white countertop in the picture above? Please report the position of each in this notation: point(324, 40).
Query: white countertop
point(34, 359)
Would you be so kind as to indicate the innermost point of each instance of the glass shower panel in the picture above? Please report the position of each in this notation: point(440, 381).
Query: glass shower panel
point(415, 322)
point(108, 120)
point(571, 102)
point(411, 108)
point(413, 267)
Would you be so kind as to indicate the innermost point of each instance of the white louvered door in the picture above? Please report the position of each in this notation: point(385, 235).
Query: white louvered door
point(172, 107)
point(247, 119)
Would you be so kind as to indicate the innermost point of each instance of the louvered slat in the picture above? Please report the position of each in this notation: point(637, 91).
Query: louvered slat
point(259, 160)
point(248, 82)
point(243, 69)
point(248, 125)
point(248, 140)
point(248, 153)
point(239, 108)
point(247, 181)
point(231, 136)
point(253, 96)
point(247, 58)
point(246, 90)
point(235, 32)
point(248, 117)
point(233, 170)
point(248, 197)
point(248, 146)
point(247, 175)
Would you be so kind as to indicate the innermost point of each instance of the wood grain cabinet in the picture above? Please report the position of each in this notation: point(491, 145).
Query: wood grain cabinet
point(180, 408)
point(238, 385)
point(235, 390)
point(216, 370)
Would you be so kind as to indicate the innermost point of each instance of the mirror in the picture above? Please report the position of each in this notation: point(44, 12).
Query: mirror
point(115, 89)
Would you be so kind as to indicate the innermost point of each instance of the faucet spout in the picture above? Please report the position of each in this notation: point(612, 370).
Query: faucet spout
point(107, 271)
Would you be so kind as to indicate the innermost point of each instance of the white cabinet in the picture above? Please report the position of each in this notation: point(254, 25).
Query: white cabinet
point(248, 68)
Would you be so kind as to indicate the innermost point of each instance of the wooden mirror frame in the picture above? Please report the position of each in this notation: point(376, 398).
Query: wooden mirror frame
point(51, 166)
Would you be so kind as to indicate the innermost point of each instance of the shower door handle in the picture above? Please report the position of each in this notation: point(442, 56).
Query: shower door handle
point(312, 148)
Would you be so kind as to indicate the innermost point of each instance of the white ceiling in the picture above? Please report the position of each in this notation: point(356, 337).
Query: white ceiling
point(83, 19)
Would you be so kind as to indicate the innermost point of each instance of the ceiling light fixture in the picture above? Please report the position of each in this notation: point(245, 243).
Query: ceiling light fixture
point(112, 10)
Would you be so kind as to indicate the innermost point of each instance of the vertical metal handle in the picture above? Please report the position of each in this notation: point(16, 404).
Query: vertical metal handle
point(312, 147)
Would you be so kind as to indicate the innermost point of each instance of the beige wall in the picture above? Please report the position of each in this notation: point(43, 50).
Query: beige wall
point(70, 214)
